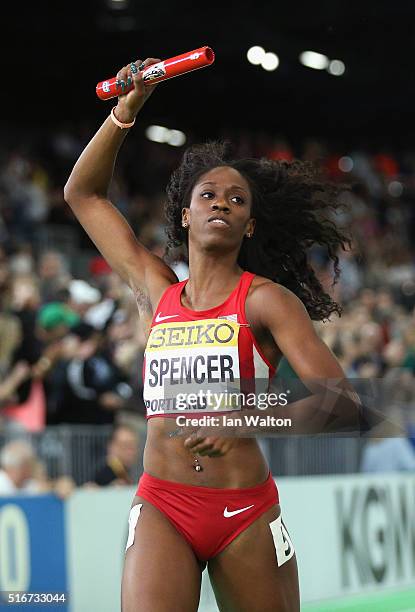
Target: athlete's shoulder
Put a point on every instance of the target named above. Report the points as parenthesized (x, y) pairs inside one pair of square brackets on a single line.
[(268, 297), (262, 287)]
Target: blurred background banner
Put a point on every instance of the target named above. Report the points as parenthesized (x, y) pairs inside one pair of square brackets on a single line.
[(32, 547), (363, 531)]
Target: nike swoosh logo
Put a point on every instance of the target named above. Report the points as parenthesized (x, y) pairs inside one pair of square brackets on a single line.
[(227, 513), (159, 318)]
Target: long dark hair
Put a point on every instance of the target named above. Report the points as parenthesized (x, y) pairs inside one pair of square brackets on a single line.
[(291, 204)]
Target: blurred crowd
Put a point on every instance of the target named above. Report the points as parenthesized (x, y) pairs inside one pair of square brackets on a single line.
[(23, 471), (68, 324)]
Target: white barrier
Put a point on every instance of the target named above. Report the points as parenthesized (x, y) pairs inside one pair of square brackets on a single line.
[(353, 534), (97, 526)]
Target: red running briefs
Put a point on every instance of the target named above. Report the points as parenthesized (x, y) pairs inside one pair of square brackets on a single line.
[(208, 518)]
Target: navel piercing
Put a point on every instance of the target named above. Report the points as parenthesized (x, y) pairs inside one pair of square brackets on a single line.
[(196, 465)]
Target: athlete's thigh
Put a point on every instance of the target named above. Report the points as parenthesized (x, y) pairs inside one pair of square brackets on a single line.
[(246, 576), (161, 572)]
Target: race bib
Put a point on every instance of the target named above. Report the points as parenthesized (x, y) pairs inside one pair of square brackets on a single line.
[(284, 548), (192, 358)]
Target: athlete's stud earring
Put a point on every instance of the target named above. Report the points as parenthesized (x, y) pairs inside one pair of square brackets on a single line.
[(185, 224), (249, 235)]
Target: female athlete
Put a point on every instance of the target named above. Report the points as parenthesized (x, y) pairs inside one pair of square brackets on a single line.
[(249, 299)]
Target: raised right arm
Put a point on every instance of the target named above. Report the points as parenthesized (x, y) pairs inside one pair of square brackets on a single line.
[(86, 192)]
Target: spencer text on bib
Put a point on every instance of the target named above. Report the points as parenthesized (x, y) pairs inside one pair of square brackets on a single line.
[(188, 357)]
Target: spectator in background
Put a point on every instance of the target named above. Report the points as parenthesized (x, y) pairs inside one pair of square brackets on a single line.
[(94, 388), (388, 455), (409, 357), (41, 339), (53, 274), (122, 453), (24, 303), (55, 320), (21, 471), (389, 449), (25, 187), (11, 382), (10, 327), (17, 465), (82, 296), (112, 291)]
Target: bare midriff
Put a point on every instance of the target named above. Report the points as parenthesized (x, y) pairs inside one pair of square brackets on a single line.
[(167, 458)]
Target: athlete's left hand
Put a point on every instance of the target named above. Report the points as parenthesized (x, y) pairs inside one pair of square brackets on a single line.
[(209, 446)]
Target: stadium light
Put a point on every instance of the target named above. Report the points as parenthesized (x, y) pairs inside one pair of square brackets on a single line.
[(270, 61), (336, 68), (161, 134), (117, 4), (395, 189), (157, 133), (176, 138), (346, 164), (311, 59), (255, 55), (408, 288)]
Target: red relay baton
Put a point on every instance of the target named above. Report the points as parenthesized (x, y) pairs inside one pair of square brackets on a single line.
[(175, 66)]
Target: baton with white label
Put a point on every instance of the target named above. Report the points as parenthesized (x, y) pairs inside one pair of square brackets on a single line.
[(167, 69)]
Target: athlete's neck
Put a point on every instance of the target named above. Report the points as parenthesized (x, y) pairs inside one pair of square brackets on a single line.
[(210, 282)]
